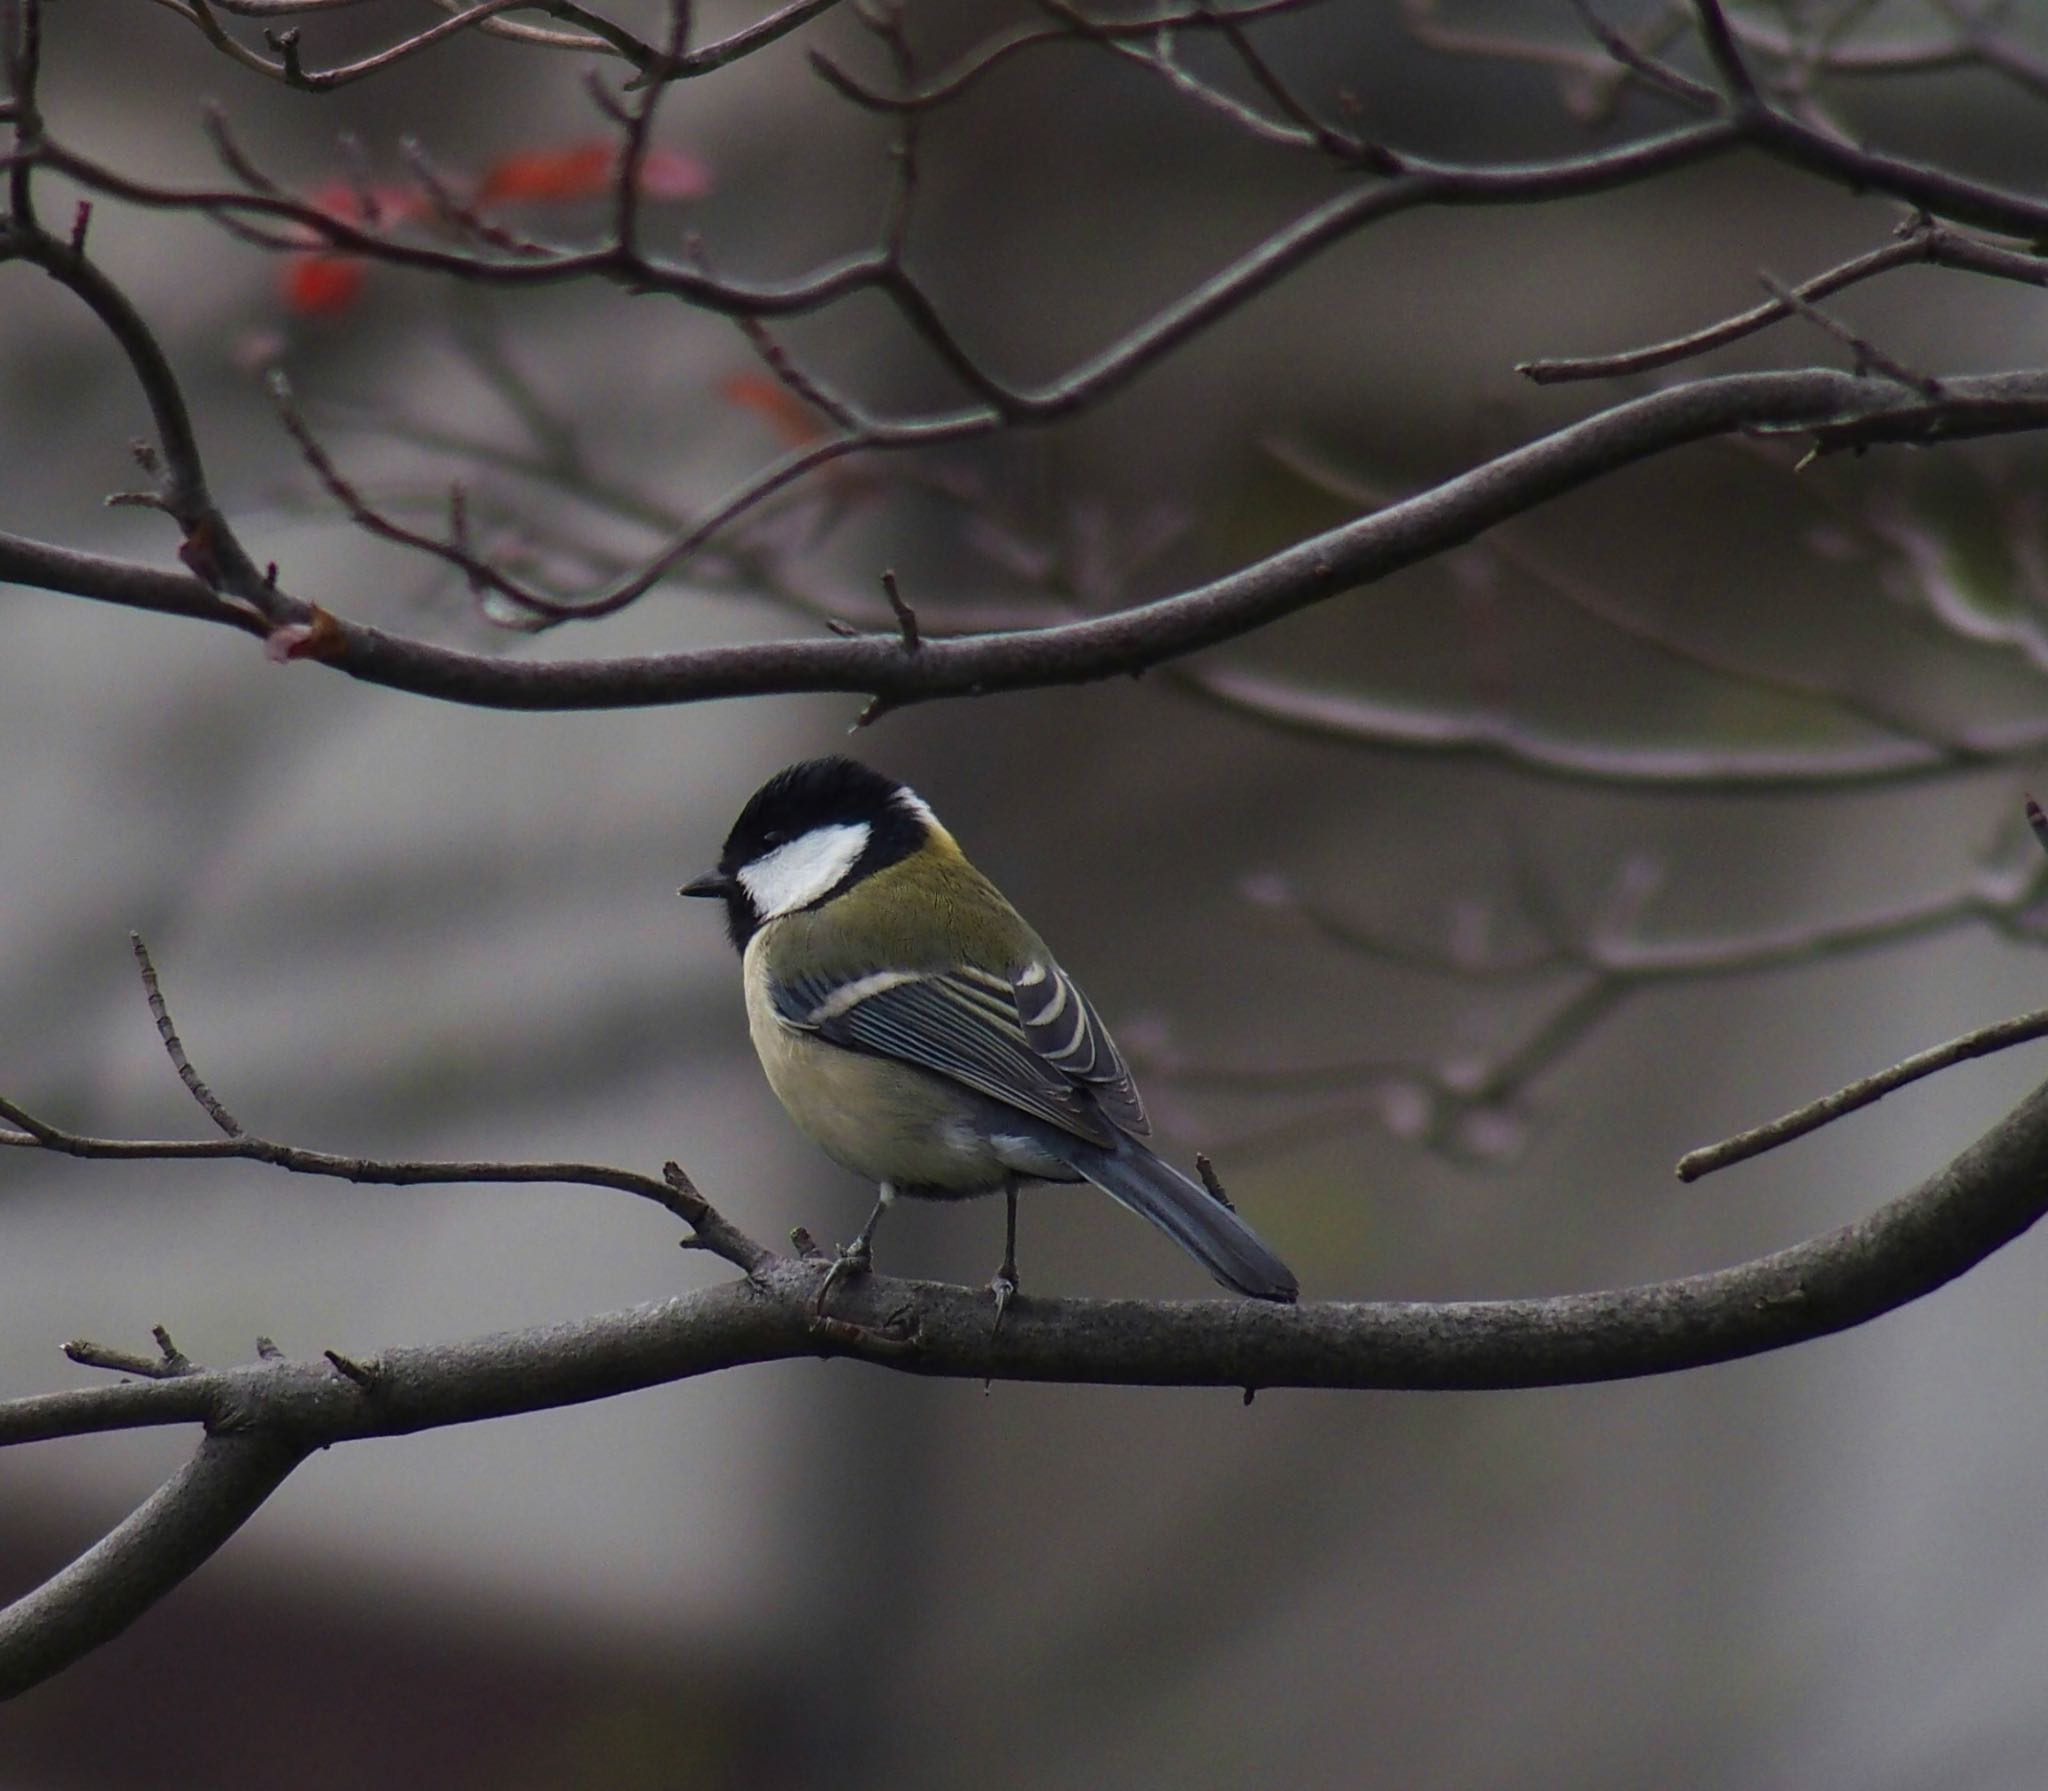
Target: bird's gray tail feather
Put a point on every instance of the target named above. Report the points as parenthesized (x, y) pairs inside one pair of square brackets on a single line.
[(1187, 1212)]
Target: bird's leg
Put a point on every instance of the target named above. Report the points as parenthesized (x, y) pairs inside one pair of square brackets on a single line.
[(1004, 1286), (857, 1257)]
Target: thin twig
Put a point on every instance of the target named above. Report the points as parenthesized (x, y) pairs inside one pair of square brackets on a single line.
[(1725, 54), (906, 617), (673, 1191), (1866, 1090), (709, 1228), (1869, 357), (169, 1362), (160, 1012)]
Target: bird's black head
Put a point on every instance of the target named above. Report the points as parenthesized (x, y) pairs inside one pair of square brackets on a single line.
[(808, 833)]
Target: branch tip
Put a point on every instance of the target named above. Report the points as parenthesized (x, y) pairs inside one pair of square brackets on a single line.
[(1866, 1091), (174, 1048), (356, 1373), (711, 1230), (906, 617), (167, 1364)]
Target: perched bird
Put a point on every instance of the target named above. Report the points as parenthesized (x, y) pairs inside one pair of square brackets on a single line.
[(917, 1028)]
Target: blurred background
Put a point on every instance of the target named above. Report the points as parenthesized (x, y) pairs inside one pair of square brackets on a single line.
[(1433, 1013)]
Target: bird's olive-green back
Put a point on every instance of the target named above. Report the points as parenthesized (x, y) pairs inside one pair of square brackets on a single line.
[(928, 912)]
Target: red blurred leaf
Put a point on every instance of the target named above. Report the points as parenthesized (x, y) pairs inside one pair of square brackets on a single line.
[(320, 282), (581, 171), (587, 170), (316, 285), (348, 204)]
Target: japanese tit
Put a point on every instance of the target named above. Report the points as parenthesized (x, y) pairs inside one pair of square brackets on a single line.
[(918, 1029)]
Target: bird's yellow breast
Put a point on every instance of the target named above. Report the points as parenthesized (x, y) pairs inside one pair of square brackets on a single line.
[(886, 1121)]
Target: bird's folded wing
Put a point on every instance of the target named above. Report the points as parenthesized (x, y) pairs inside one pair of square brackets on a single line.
[(1061, 1025), (964, 1025)]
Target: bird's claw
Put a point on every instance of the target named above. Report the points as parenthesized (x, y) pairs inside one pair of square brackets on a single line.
[(855, 1259), (1004, 1286)]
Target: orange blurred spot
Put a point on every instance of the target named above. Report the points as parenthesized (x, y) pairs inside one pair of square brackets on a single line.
[(581, 171), (321, 638), (783, 411)]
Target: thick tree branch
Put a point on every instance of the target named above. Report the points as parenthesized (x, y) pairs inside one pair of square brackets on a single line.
[(265, 1417), (121, 1576), (1839, 409)]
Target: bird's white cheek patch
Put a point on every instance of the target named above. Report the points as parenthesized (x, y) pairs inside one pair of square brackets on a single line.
[(796, 874)]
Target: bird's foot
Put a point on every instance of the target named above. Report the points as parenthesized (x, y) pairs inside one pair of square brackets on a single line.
[(1003, 1284), (855, 1259)]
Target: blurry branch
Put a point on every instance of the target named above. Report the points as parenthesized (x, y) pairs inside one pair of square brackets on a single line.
[(598, 36), (263, 1418), (1861, 1093), (1090, 568), (1071, 25), (472, 248), (2002, 897), (1298, 127), (1763, 88), (1439, 731), (1896, 747), (29, 1132), (1919, 240), (1795, 60), (1471, 1106), (295, 224), (1791, 58)]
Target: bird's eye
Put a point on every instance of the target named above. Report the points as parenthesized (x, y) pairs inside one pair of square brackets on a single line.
[(773, 837)]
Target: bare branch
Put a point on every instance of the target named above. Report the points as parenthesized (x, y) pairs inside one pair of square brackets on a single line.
[(673, 1190), (1718, 335), (268, 1415), (180, 1528), (1869, 358), (1839, 409), (1074, 27), (710, 1229), (1388, 724), (33, 1132), (1864, 1092), (1736, 79), (906, 617), (1463, 1107), (160, 1012)]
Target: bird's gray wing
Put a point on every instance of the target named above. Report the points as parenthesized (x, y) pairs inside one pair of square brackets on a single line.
[(965, 1025), (1062, 1026)]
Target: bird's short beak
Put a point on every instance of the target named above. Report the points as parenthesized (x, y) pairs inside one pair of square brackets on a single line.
[(710, 884)]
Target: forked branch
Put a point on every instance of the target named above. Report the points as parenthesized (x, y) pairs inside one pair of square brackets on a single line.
[(265, 1417)]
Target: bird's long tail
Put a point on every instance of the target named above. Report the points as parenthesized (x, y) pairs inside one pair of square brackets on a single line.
[(1188, 1213)]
